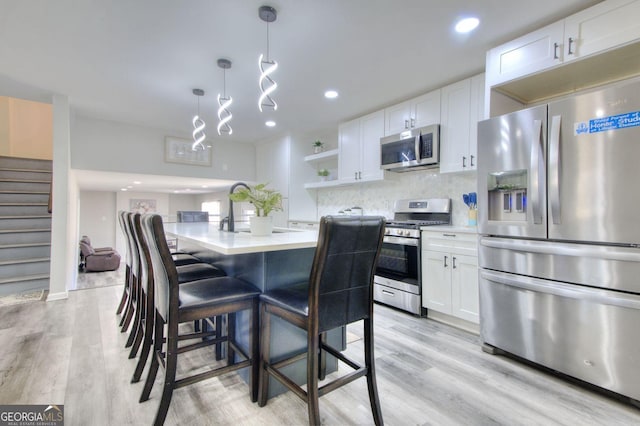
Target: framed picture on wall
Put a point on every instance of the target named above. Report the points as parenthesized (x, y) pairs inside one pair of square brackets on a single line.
[(142, 206), (178, 150)]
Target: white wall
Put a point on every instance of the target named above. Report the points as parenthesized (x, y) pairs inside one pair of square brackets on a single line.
[(182, 202), (123, 200), (64, 249), (98, 219), (118, 147)]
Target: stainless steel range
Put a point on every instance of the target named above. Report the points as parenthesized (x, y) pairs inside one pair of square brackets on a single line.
[(398, 276)]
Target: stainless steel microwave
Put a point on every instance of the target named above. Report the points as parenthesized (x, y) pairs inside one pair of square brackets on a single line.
[(412, 149)]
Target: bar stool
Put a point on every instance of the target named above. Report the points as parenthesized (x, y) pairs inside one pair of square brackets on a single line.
[(339, 292), (132, 277), (178, 303), (143, 324), (125, 290)]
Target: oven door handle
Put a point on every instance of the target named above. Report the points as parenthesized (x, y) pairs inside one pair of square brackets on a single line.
[(415, 242)]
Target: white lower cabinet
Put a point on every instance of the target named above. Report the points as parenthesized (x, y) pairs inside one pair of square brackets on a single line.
[(450, 274)]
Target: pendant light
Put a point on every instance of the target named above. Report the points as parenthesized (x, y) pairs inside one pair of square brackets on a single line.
[(266, 65), (224, 116), (198, 125)]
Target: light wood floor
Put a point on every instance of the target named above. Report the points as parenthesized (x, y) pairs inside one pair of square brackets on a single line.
[(70, 352)]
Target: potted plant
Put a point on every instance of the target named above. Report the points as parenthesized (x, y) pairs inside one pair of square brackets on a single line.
[(265, 201), (318, 146), (324, 174)]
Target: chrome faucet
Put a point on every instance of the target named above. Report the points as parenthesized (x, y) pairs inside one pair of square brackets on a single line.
[(229, 219)]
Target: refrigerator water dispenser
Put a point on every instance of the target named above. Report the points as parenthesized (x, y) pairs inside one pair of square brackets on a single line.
[(507, 195)]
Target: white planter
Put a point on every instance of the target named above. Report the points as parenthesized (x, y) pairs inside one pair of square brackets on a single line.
[(261, 225)]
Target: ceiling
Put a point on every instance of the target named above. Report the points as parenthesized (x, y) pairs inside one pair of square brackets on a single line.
[(138, 61)]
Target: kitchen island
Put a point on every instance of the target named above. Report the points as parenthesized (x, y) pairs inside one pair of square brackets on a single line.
[(281, 259)]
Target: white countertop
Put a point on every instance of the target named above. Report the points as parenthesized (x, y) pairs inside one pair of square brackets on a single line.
[(454, 229), (208, 235)]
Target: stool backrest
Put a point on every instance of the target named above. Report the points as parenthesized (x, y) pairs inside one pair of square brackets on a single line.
[(143, 250), (165, 275), (135, 253), (121, 215), (341, 282)]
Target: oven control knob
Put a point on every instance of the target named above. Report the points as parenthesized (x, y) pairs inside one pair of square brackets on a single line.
[(387, 231), (406, 233)]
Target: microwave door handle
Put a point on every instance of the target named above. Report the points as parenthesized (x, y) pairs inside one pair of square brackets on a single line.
[(536, 162), (418, 145), (554, 169)]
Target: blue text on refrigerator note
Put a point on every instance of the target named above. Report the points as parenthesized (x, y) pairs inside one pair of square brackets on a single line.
[(612, 122)]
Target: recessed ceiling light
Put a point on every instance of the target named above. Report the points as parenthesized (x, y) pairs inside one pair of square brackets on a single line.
[(129, 186), (466, 25), (331, 94), (270, 123), (136, 182), (123, 189)]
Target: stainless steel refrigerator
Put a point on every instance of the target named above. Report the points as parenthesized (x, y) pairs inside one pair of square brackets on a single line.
[(559, 251)]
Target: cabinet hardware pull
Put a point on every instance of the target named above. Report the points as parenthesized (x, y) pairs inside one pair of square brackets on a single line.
[(355, 175), (454, 262), (388, 292), (448, 235), (464, 161), (472, 161), (406, 124), (413, 122), (570, 51), (360, 175), (555, 51), (445, 261)]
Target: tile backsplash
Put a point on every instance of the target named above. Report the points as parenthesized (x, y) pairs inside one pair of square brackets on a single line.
[(377, 198)]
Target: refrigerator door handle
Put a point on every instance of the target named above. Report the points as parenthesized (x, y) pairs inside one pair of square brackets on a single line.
[(622, 254), (554, 169), (536, 162), (563, 290)]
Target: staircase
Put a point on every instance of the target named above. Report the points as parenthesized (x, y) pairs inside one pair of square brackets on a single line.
[(25, 225)]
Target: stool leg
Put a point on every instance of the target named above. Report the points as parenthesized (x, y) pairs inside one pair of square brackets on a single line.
[(218, 322), (313, 342), (130, 306), (125, 291), (369, 360), (322, 358), (138, 327), (265, 331), (169, 375), (255, 351), (158, 335), (147, 340), (231, 336), (136, 318)]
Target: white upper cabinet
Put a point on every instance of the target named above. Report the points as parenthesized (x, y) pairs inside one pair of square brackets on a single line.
[(371, 130), (417, 112), (462, 107), (609, 24), (528, 54), (349, 150), (359, 148), (602, 27)]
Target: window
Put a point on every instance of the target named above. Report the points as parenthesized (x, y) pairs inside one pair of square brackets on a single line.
[(213, 208)]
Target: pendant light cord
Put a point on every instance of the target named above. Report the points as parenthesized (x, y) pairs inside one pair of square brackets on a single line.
[(267, 42)]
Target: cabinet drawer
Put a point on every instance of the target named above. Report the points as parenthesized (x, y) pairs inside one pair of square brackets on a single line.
[(450, 242)]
